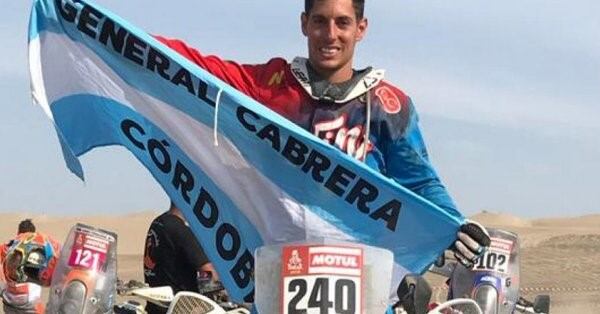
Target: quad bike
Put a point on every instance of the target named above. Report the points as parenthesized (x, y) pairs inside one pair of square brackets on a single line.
[(493, 282), (84, 281)]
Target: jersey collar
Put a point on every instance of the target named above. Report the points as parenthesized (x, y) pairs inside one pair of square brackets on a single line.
[(368, 81)]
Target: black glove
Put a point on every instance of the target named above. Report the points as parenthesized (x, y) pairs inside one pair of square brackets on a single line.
[(473, 240)]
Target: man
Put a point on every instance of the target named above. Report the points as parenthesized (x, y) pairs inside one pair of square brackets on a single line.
[(23, 227), (173, 257), (355, 110), (28, 262)]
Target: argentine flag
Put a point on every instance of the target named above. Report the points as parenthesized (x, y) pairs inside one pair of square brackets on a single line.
[(242, 175)]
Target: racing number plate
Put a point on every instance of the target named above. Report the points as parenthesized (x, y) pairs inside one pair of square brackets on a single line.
[(89, 250), (321, 280), (496, 258)]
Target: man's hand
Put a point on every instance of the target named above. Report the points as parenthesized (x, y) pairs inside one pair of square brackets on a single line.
[(473, 240)]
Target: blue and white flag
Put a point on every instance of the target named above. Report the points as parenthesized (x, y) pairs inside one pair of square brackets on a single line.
[(95, 76)]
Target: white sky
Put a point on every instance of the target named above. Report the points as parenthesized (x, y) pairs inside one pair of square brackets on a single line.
[(507, 93)]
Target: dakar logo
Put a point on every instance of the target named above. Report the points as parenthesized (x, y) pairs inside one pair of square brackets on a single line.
[(79, 240), (390, 101), (295, 262), (350, 141)]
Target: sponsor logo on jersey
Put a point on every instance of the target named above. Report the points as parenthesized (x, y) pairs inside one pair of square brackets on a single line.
[(349, 140), (389, 100), (277, 78)]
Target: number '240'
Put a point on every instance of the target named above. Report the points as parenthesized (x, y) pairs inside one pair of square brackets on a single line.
[(344, 300)]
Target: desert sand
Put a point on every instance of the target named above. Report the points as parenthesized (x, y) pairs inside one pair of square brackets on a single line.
[(560, 256)]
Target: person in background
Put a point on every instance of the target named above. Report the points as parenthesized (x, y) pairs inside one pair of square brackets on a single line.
[(28, 262), (173, 257)]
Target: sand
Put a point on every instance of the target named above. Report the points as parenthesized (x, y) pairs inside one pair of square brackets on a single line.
[(131, 229), (560, 256)]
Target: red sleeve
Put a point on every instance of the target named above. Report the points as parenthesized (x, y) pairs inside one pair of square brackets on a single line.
[(251, 80)]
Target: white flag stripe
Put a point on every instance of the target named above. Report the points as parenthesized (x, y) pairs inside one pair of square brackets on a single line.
[(38, 90)]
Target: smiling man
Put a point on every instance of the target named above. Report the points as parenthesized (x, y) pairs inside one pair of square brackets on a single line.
[(333, 28), (355, 110)]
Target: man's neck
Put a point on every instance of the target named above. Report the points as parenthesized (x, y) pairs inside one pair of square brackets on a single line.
[(176, 212)]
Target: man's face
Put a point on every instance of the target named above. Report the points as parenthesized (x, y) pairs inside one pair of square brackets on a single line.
[(332, 30)]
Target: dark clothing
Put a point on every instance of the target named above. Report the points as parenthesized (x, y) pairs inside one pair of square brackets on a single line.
[(172, 256)]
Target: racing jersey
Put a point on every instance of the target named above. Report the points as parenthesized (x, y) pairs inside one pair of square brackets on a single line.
[(371, 109), (22, 298)]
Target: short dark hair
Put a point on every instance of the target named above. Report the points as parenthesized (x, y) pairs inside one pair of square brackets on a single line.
[(359, 7), (26, 226)]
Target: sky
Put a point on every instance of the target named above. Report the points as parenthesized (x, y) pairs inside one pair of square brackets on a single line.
[(506, 91)]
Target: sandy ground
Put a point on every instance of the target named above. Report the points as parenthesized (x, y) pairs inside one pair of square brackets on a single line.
[(560, 257)]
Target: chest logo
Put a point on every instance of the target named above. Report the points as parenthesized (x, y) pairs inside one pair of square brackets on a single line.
[(349, 140), (389, 100), (276, 79)]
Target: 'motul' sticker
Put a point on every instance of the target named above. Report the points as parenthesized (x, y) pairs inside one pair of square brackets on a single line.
[(319, 279)]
